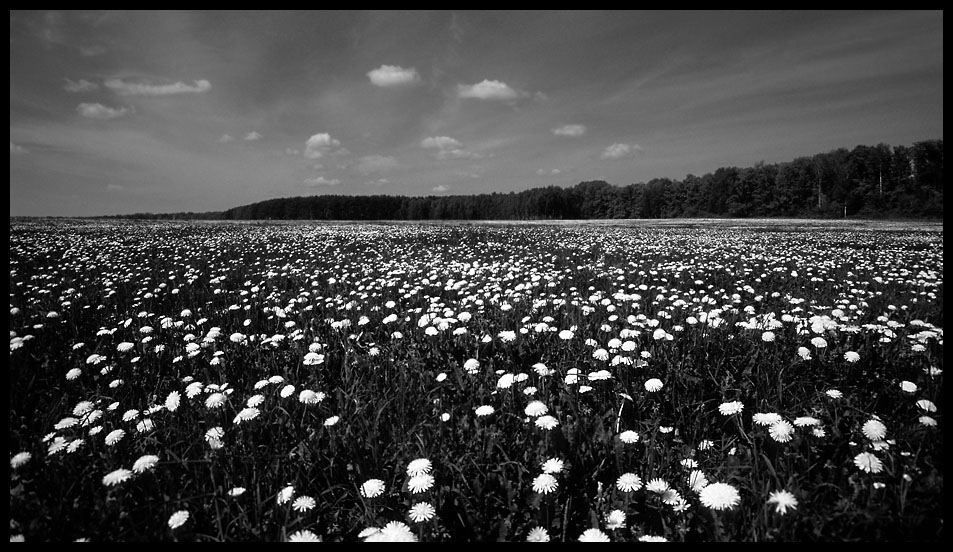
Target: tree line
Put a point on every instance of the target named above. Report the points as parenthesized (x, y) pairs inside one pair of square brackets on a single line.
[(866, 182)]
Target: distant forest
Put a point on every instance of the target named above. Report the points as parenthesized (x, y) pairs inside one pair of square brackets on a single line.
[(866, 182)]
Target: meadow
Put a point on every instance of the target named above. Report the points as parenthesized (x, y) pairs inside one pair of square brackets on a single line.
[(711, 381)]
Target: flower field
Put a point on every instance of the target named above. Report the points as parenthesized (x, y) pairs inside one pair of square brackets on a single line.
[(351, 382)]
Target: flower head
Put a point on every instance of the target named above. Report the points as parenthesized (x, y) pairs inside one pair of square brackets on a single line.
[(116, 477), (178, 519), (553, 465), (372, 488), (537, 534), (783, 500), (145, 463), (593, 535), (419, 466), (719, 496), (868, 462), (628, 482), (420, 483), (421, 511), (729, 408), (545, 483)]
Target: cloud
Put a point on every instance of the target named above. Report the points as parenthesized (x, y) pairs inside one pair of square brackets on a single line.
[(226, 138), (115, 187), (448, 148), (17, 150), (570, 130), (94, 50), (378, 182), (144, 89), (489, 90), (321, 181), (253, 135), (319, 145), (618, 151), (393, 75), (544, 172), (440, 189), (100, 111), (82, 85), (376, 164), (292, 151)]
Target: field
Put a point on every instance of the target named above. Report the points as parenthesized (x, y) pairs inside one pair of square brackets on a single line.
[(704, 381)]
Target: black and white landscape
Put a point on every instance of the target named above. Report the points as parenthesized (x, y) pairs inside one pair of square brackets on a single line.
[(476, 276)]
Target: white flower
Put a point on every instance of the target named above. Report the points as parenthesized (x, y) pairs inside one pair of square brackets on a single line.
[(420, 483), (729, 408), (783, 500), (553, 465), (420, 466), (421, 511), (851, 356), (215, 400), (546, 422), (172, 401), (331, 421), (781, 431), (372, 488), (535, 409), (485, 410), (395, 531), (615, 519), (868, 462), (628, 437), (178, 519), (834, 393), (766, 419), (303, 535), (697, 480), (653, 385), (116, 477), (245, 415), (657, 486), (145, 463), (114, 437), (719, 496), (303, 503), (593, 535), (628, 482), (19, 459), (545, 483), (874, 429), (926, 405), (537, 534), (236, 491), (285, 494), (908, 386)]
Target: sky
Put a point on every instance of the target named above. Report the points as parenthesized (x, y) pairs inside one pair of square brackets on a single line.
[(131, 112)]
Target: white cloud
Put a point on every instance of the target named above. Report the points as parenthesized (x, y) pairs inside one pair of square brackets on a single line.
[(393, 75), (319, 145), (292, 151), (544, 172), (448, 148), (100, 111), (378, 182), (618, 151), (321, 181), (82, 85), (226, 138), (17, 150), (253, 135), (488, 90), (94, 50), (440, 189), (115, 187), (376, 164), (570, 130), (143, 89)]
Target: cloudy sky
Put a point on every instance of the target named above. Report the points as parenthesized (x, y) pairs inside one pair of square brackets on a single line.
[(123, 112)]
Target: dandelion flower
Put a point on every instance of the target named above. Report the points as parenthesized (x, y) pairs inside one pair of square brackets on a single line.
[(420, 466), (819, 342), (781, 431), (420, 483), (145, 425), (851, 356), (303, 503), (652, 538), (215, 400), (73, 374), (653, 385), (615, 519), (287, 391), (729, 408), (868, 462), (82, 407), (537, 534), (114, 437), (926, 405), (285, 494), (172, 401), (697, 480), (628, 437), (834, 393), (657, 486), (236, 491), (908, 386), (20, 459), (535, 409), (421, 511), (767, 337), (116, 477), (303, 536), (472, 366), (719, 496), (783, 500), (331, 421), (927, 421), (553, 465), (145, 463), (874, 429), (545, 483), (628, 483), (593, 535), (178, 519), (766, 419), (308, 396), (395, 531), (806, 421), (372, 488), (245, 415)]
